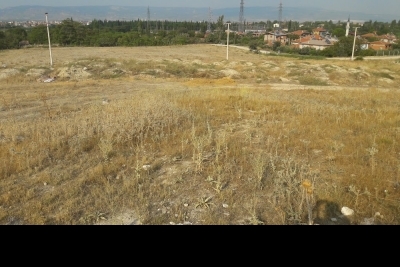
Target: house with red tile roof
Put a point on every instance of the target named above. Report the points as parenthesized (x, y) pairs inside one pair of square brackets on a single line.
[(379, 45), (384, 42), (319, 31), (388, 38), (296, 43), (318, 44), (301, 33), (369, 35), (276, 36)]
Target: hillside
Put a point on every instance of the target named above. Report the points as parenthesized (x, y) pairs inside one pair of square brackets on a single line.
[(180, 135)]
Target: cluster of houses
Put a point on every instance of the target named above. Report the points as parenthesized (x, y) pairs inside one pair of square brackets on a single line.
[(33, 23), (320, 39), (384, 42)]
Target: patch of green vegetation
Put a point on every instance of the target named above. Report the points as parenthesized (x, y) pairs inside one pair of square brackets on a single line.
[(300, 57), (181, 70), (311, 57), (308, 80), (295, 73), (328, 68), (383, 75)]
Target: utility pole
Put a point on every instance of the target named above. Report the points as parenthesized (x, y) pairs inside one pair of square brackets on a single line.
[(354, 43), (227, 42), (48, 37)]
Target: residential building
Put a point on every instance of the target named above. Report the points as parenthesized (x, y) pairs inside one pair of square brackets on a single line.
[(276, 36), (319, 31), (301, 33), (379, 45), (318, 44)]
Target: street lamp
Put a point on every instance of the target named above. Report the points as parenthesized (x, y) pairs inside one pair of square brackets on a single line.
[(48, 37), (227, 42), (354, 43)]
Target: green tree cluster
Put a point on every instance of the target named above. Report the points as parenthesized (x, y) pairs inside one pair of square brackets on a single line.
[(159, 33)]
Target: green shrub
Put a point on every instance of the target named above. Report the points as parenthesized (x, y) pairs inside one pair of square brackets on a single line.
[(309, 80)]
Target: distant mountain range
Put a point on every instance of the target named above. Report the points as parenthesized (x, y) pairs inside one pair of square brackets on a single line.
[(88, 13)]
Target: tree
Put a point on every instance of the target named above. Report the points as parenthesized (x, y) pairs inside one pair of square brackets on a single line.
[(2, 40), (276, 45), (293, 37), (81, 33), (13, 36), (253, 45), (38, 35), (339, 32), (343, 48), (220, 26), (66, 32), (393, 24)]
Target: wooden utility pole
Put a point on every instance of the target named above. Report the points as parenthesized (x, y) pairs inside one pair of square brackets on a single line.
[(48, 37), (227, 42), (354, 43)]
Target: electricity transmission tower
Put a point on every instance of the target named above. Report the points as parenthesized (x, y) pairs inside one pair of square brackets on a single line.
[(241, 17), (148, 20), (280, 14), (209, 21)]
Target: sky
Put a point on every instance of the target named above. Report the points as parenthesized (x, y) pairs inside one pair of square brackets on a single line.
[(365, 6)]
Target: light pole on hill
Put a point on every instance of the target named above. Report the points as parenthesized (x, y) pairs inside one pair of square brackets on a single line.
[(227, 42), (48, 37), (354, 43)]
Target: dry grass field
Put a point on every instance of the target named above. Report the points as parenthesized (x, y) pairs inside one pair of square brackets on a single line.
[(180, 135)]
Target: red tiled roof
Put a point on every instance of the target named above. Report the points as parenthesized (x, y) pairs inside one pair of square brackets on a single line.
[(302, 40), (386, 36), (378, 43), (317, 42), (319, 29), (368, 35), (300, 32)]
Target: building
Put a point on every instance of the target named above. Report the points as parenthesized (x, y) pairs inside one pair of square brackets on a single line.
[(318, 44), (255, 33), (348, 27), (319, 31), (383, 42), (379, 45), (276, 36), (300, 33), (319, 40)]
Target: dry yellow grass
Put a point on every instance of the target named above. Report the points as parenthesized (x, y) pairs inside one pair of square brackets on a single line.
[(173, 146)]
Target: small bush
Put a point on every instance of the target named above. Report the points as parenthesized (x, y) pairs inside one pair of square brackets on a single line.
[(383, 75), (307, 80)]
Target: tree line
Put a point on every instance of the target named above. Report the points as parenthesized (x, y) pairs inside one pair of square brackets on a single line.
[(109, 33), (104, 33)]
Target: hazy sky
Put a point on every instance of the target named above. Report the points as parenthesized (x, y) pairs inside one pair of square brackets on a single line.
[(365, 6)]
